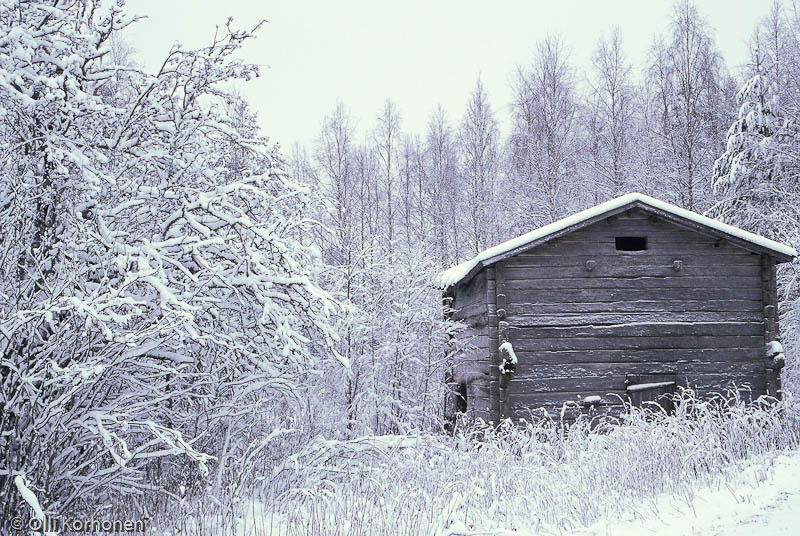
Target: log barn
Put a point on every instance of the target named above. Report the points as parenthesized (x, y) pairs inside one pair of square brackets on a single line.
[(627, 300)]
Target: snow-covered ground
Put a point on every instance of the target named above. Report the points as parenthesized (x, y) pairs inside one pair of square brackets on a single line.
[(764, 500), (751, 506)]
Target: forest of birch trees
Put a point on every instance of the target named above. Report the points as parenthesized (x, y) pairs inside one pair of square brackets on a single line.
[(684, 127)]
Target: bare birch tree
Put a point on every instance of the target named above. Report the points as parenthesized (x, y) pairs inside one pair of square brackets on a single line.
[(387, 141), (687, 73), (612, 115), (443, 193), (480, 157), (544, 114)]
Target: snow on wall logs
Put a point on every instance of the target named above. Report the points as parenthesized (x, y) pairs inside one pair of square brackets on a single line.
[(588, 313), (769, 292), (471, 367)]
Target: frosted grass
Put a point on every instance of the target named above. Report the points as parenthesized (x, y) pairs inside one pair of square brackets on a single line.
[(535, 476)]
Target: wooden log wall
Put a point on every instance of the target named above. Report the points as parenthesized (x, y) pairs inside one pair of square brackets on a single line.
[(472, 361), (583, 315)]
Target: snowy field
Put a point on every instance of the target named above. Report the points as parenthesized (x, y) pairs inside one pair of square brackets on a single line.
[(711, 468), (748, 505), (762, 499)]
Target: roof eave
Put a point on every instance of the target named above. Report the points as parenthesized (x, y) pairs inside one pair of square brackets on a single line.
[(711, 231)]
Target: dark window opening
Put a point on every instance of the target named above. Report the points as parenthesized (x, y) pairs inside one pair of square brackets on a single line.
[(455, 403), (631, 243), (461, 398)]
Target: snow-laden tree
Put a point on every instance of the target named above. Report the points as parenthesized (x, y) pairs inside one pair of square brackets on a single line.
[(479, 146), (396, 341), (391, 331), (758, 171), (387, 143), (543, 138), (757, 177), (412, 178), (157, 301), (443, 193), (611, 119), (689, 82), (757, 174), (412, 346)]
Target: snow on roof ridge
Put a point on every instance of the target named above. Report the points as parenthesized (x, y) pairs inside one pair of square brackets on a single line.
[(455, 274)]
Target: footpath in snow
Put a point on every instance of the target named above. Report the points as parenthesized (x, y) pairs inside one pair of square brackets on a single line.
[(744, 508)]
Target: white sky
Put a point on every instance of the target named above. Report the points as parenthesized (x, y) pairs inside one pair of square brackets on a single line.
[(417, 53)]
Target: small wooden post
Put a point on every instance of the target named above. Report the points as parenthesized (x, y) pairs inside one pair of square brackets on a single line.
[(503, 327), (771, 331), (492, 329)]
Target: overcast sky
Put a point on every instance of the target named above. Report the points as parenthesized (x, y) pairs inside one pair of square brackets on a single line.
[(417, 53)]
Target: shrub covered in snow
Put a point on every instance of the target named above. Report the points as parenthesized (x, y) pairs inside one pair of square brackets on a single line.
[(157, 311)]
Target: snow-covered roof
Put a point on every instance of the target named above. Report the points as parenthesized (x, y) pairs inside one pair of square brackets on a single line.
[(455, 274)]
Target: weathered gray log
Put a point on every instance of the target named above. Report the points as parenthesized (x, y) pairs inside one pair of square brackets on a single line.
[(632, 294), (638, 355), (639, 343), (606, 318), (643, 305), (609, 268), (606, 261), (554, 282)]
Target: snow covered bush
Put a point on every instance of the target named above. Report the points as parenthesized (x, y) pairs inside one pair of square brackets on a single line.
[(158, 311), (754, 174), (392, 332), (396, 343)]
